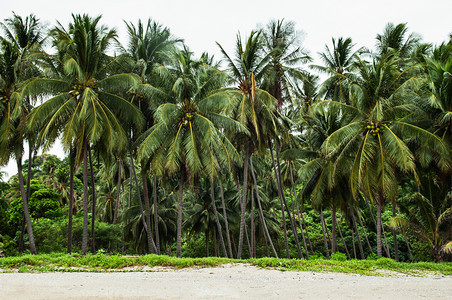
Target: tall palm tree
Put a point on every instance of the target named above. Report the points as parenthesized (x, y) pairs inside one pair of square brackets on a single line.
[(394, 38), (85, 107), (188, 137), (282, 43), (337, 63), (255, 108), (375, 139), (148, 46), (22, 39)]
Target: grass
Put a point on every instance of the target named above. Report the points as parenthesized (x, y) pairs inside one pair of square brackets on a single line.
[(61, 262)]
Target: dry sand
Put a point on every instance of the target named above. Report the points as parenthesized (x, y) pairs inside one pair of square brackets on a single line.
[(225, 282)]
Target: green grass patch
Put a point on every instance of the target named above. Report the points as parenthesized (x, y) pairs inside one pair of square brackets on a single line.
[(101, 262)]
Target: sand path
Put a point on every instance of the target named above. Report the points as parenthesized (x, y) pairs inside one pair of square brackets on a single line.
[(225, 282)]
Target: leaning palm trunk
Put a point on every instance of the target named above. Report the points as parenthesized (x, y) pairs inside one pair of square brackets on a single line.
[(243, 200), (283, 217), (226, 223), (365, 233), (264, 224), (25, 204), (343, 240), (333, 228), (281, 193), (217, 219), (360, 245), (156, 215), (147, 207), (293, 195), (322, 220), (150, 241), (93, 192)]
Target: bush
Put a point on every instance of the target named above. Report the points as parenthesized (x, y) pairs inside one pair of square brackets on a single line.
[(338, 256)]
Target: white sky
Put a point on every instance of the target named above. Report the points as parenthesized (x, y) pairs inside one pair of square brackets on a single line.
[(202, 23)]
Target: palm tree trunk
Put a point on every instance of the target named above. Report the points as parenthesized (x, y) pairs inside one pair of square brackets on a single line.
[(333, 228), (322, 220), (179, 215), (354, 245), (156, 215), (281, 192), (147, 207), (217, 219), (248, 241), (365, 233), (283, 216), (343, 240), (293, 195), (394, 235), (93, 191), (215, 244), (226, 224), (360, 245), (207, 241), (85, 198), (25, 204), (307, 232), (150, 240), (71, 200), (243, 200), (252, 227), (379, 241), (30, 160), (405, 238), (386, 245), (118, 188), (264, 224)]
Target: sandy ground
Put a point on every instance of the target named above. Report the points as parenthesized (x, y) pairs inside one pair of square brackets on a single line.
[(226, 282)]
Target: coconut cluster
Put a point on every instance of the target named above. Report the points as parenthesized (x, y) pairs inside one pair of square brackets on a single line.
[(374, 127)]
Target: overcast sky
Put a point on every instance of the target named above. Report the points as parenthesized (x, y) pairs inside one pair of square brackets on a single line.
[(202, 23)]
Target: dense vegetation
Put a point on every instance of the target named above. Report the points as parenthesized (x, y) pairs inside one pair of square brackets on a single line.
[(248, 157)]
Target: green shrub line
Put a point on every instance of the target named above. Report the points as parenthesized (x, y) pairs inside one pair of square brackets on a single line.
[(100, 262)]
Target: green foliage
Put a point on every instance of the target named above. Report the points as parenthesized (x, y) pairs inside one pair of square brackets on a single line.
[(338, 256)]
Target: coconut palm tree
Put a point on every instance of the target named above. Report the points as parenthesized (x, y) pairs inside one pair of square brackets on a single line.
[(394, 38), (84, 107), (382, 117), (337, 63), (148, 46), (282, 43), (188, 137), (21, 41), (256, 108)]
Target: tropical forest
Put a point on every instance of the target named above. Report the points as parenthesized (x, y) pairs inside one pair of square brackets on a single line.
[(268, 150)]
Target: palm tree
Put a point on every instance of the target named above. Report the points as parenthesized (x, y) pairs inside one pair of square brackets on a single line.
[(188, 136), (148, 46), (337, 63), (85, 107), (382, 119), (429, 215), (282, 44), (248, 69), (23, 38), (394, 39)]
